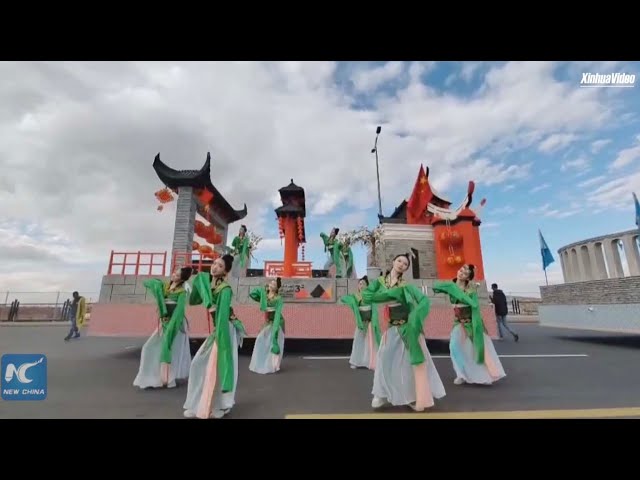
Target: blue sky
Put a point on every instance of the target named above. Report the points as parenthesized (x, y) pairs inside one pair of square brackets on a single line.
[(559, 193), (80, 138)]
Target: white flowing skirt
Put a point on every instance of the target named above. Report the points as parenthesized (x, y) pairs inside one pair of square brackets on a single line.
[(364, 348), (464, 364), (395, 379), (149, 373), (199, 389), (262, 360)]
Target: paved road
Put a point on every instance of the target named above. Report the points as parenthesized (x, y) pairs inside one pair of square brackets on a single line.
[(92, 378)]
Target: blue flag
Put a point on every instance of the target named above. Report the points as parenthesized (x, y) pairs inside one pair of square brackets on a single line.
[(635, 199), (547, 257)]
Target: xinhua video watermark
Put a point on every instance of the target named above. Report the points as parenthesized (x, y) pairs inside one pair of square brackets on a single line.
[(24, 376), (608, 80)]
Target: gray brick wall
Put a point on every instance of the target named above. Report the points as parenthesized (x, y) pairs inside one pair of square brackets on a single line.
[(607, 291), (185, 221)]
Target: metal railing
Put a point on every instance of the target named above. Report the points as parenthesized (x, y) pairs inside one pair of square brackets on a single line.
[(139, 261), (39, 306)]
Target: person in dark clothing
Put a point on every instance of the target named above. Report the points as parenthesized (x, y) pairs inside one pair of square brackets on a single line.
[(499, 300)]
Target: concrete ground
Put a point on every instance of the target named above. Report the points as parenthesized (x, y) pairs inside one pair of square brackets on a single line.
[(550, 373)]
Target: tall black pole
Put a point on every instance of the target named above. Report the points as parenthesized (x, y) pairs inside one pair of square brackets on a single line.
[(375, 150)]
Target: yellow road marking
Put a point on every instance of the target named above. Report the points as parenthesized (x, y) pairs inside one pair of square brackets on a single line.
[(520, 414)]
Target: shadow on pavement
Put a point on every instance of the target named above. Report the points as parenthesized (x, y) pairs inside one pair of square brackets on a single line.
[(626, 341)]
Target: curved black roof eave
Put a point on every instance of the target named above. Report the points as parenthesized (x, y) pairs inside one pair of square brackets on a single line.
[(173, 178)]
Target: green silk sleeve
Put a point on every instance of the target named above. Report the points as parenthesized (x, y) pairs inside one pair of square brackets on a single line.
[(277, 325), (201, 291), (171, 328), (419, 310), (260, 296), (475, 330), (352, 302), (372, 288), (325, 239), (367, 297), (349, 261), (418, 305), (239, 326), (337, 257), (244, 251), (223, 339), (156, 287)]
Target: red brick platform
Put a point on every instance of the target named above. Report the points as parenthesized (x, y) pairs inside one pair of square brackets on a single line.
[(301, 321)]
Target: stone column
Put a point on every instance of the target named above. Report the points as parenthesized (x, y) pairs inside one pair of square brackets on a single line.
[(614, 262), (578, 271), (631, 252), (587, 264), (567, 260), (597, 261), (564, 267), (184, 225)]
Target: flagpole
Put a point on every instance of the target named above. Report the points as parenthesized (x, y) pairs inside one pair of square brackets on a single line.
[(545, 277), (375, 150)]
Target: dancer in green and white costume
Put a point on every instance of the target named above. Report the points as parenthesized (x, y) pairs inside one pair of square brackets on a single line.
[(213, 377), (166, 355), (269, 346), (242, 252), (334, 248), (366, 338), (405, 373)]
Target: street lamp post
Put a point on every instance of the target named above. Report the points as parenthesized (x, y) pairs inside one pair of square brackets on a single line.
[(375, 150)]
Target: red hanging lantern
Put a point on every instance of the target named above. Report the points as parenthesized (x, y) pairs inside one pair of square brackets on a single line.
[(164, 195), (300, 228), (455, 238), (281, 227), (459, 260), (451, 260), (195, 246), (200, 229)]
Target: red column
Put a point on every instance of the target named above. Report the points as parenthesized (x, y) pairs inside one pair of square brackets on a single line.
[(290, 245), (472, 250)]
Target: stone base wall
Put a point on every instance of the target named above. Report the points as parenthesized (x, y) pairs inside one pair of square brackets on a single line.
[(123, 289), (607, 291)]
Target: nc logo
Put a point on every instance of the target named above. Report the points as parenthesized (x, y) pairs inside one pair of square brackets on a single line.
[(24, 376)]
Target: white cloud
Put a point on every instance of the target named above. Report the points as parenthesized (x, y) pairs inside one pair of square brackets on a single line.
[(353, 220), (508, 187), (556, 141), (370, 79), (616, 193), (546, 211), (626, 157), (506, 210), (326, 203), (483, 171), (580, 164), (94, 128), (592, 181), (491, 225), (598, 145), (538, 188)]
